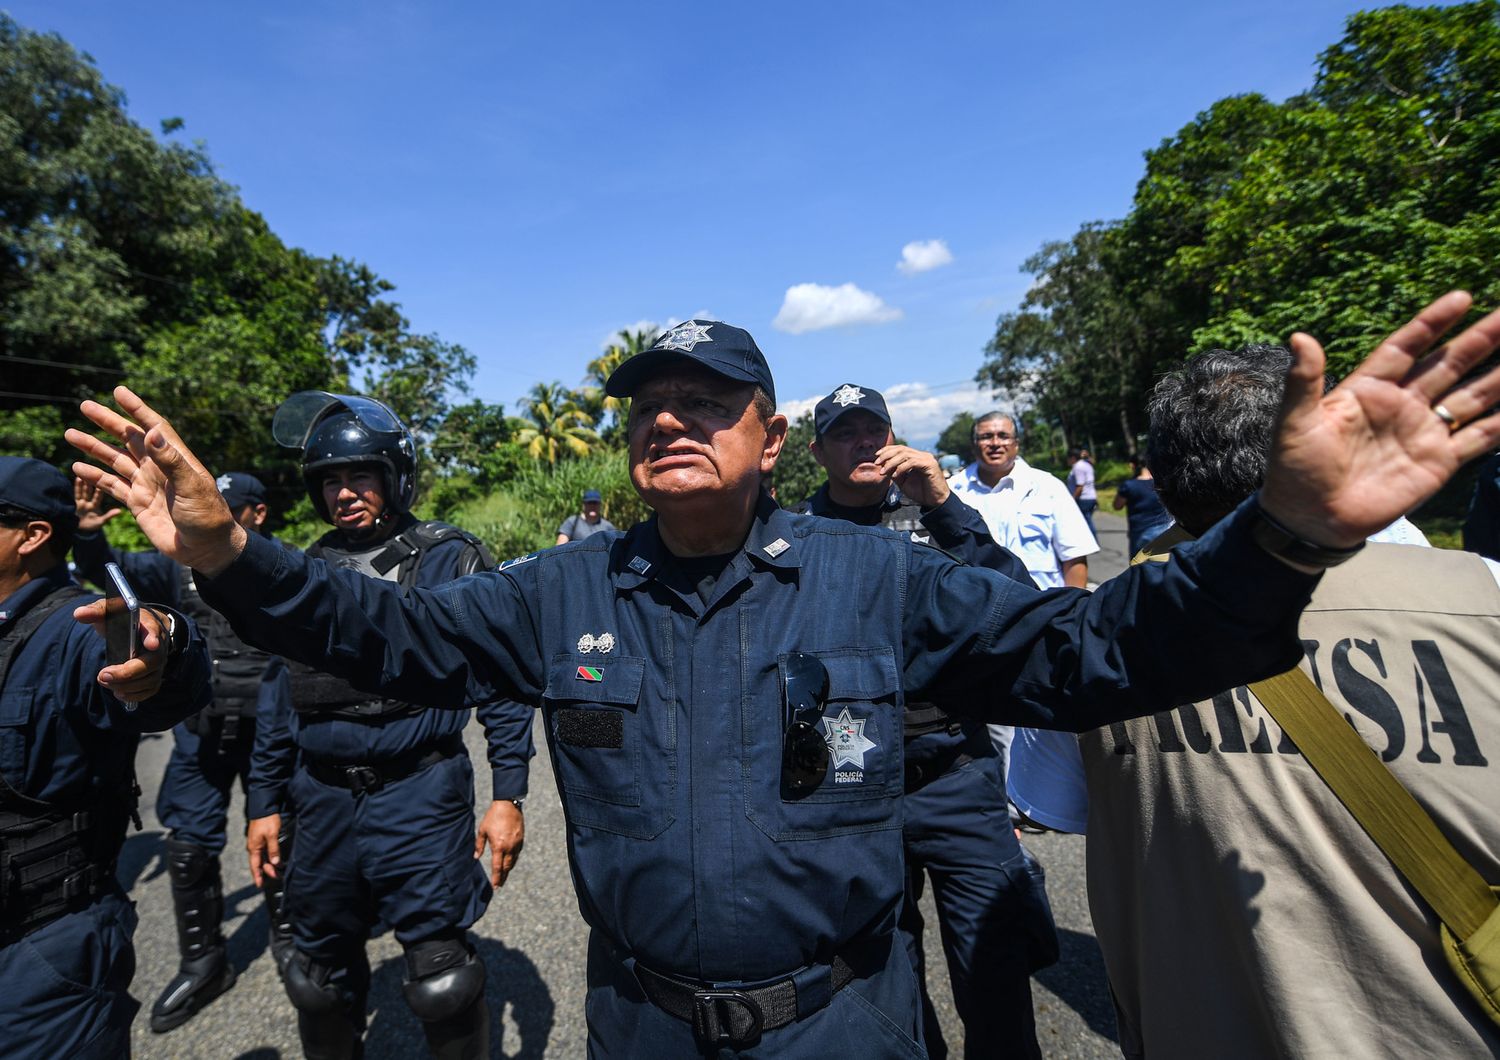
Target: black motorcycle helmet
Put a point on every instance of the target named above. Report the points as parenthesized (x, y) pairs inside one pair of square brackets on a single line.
[(338, 429)]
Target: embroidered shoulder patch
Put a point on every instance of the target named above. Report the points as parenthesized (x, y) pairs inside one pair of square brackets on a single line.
[(518, 561)]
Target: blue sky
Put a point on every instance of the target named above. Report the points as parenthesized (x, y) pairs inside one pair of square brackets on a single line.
[(534, 177)]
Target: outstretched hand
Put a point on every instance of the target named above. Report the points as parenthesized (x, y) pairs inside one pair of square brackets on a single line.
[(1348, 463), (173, 497)]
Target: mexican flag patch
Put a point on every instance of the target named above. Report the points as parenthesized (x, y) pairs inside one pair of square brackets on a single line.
[(590, 673)]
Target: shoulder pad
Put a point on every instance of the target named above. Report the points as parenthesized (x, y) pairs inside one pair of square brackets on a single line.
[(434, 532), (518, 561)]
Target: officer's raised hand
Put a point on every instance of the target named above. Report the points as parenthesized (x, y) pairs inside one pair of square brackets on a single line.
[(1348, 463), (171, 494), (916, 472), (89, 502), (503, 830), (263, 843)]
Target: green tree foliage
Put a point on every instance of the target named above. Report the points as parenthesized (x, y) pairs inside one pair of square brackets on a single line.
[(524, 517), (1337, 212), (797, 474), (553, 426), (124, 258), (612, 412)]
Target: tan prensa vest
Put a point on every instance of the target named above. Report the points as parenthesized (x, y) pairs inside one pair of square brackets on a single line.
[(1241, 910)]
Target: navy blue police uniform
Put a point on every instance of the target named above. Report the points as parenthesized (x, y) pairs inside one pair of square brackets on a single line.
[(210, 755), (67, 792), (735, 913), (708, 890), (382, 789), (994, 920)]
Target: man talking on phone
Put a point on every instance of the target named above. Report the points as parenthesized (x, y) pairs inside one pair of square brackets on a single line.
[(69, 725)]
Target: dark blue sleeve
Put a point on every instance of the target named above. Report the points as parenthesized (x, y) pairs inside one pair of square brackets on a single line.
[(958, 529), (1222, 613), (464, 642), (507, 734), (275, 753), (154, 577), (1481, 530)]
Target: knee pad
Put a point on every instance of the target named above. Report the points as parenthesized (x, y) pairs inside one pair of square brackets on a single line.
[(308, 987), (443, 978), (190, 865)]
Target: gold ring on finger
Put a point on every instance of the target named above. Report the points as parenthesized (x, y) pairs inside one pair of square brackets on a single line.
[(1446, 416)]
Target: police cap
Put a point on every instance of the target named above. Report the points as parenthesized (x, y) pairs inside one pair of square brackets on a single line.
[(240, 488), (717, 346), (38, 489), (845, 399)]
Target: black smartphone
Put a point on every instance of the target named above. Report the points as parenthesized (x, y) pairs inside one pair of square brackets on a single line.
[(122, 617)]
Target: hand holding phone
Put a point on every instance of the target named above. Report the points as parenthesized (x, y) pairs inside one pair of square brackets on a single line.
[(122, 617)]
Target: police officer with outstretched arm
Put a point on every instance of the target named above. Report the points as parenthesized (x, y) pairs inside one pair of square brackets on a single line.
[(210, 753), (382, 788), (742, 899), (993, 917), (69, 726)]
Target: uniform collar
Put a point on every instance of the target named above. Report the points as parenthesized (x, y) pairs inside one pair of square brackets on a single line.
[(771, 543), (32, 593)]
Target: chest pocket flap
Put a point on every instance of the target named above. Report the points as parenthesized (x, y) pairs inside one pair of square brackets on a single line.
[(613, 680), (862, 675)]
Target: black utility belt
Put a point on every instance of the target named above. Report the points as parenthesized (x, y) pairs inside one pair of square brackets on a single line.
[(737, 1016), (362, 778)]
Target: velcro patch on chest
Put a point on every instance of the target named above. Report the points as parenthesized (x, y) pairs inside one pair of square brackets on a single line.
[(591, 728)]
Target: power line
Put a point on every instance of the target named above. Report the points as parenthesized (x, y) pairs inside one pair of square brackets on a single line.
[(65, 364)]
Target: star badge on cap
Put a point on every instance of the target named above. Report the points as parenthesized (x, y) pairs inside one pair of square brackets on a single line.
[(847, 395), (223, 482), (685, 336)]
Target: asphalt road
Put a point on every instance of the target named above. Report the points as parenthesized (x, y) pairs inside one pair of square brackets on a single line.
[(533, 942)]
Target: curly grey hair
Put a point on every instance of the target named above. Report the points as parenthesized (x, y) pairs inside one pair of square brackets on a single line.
[(1212, 424)]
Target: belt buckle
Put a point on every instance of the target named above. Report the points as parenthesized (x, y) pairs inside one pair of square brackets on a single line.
[(712, 1014), (363, 780)]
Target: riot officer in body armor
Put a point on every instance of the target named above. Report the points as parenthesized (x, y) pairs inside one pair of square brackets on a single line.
[(210, 752), (382, 790), (993, 916)]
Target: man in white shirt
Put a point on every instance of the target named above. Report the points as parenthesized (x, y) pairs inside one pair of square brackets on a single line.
[(1028, 511)]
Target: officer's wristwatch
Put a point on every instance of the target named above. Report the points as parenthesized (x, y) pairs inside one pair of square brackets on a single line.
[(1287, 546), (176, 635), (520, 804)]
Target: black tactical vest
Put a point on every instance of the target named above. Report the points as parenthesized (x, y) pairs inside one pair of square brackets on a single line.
[(314, 692), (237, 667), (54, 858)]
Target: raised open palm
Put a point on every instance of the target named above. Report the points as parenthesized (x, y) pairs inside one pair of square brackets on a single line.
[(1350, 462), (171, 494)]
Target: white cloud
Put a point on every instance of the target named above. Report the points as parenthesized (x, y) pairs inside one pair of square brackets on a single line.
[(814, 306), (924, 254), (919, 412)]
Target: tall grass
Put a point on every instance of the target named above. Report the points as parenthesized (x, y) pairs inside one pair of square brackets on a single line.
[(523, 516)]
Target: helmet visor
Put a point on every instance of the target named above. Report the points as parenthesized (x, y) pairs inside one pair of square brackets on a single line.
[(298, 414)]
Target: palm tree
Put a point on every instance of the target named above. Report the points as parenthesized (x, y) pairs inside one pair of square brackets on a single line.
[(600, 369), (554, 425)]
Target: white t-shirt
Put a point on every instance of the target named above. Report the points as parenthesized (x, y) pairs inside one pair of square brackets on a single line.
[(1033, 515)]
